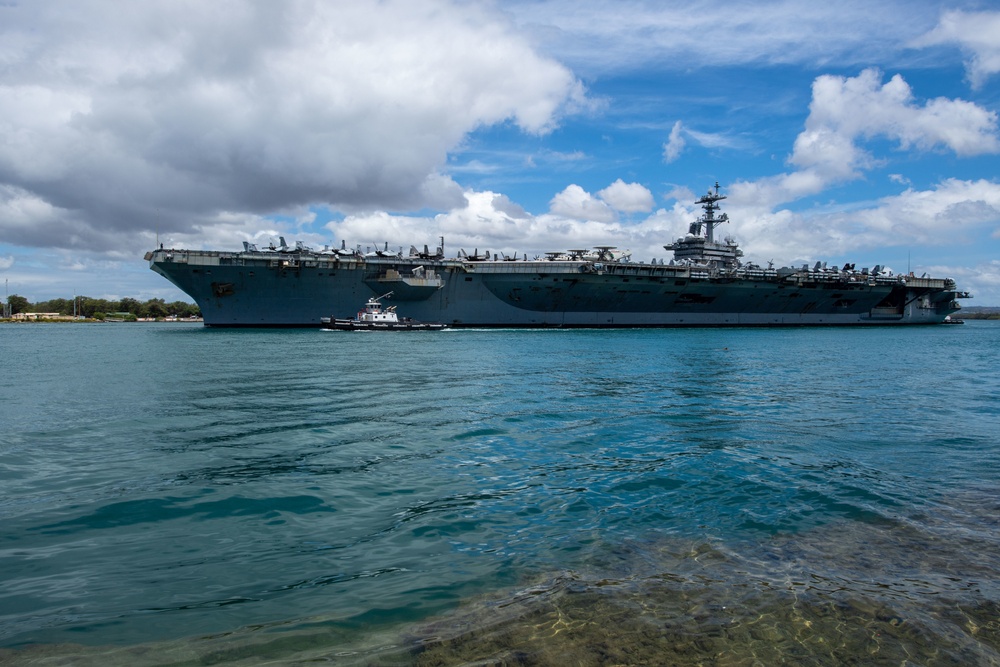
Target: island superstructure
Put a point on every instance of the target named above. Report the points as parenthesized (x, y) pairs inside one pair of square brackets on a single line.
[(705, 284)]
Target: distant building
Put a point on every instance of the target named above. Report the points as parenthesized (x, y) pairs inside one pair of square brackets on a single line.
[(40, 316)]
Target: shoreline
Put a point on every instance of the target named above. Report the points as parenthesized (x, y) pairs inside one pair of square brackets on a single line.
[(88, 320)]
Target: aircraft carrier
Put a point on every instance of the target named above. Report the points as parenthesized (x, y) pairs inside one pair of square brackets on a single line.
[(706, 284)]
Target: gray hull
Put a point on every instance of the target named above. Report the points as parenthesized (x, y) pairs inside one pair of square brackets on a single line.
[(267, 288)]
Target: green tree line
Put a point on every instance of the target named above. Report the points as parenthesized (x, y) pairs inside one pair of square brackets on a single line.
[(87, 307)]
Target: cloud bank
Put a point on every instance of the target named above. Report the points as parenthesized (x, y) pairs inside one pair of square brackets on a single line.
[(172, 117)]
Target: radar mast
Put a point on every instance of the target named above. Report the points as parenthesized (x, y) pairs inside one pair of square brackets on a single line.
[(699, 247), (708, 220)]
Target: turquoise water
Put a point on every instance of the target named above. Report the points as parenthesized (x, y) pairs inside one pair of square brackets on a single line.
[(172, 494)]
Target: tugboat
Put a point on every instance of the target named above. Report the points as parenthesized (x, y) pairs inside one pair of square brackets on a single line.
[(375, 318)]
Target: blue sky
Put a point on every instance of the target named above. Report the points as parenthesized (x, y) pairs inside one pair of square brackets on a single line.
[(842, 132)]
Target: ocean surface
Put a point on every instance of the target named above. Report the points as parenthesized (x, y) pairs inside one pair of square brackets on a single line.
[(178, 495)]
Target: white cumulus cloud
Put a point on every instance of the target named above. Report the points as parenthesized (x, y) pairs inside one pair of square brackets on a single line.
[(576, 203), (977, 34), (845, 112), (627, 197), (170, 116)]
